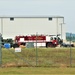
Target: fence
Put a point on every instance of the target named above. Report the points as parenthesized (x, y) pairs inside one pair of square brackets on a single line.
[(44, 57), (41, 57)]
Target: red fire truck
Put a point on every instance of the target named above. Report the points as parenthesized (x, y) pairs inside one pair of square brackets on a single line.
[(41, 40)]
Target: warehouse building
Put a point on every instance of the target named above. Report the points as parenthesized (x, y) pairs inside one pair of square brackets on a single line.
[(16, 25)]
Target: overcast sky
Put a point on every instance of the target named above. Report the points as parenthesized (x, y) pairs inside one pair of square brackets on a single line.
[(65, 8)]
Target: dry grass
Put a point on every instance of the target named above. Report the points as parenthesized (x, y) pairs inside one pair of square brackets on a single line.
[(48, 61), (47, 57)]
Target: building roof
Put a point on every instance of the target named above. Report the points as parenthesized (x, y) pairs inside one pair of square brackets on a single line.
[(30, 16)]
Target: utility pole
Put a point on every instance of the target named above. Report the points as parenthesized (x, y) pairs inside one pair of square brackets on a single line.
[(61, 30), (0, 50), (36, 50), (70, 52)]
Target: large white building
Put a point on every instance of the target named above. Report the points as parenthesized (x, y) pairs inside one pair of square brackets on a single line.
[(13, 26)]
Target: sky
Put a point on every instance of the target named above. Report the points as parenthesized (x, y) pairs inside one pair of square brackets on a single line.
[(65, 8)]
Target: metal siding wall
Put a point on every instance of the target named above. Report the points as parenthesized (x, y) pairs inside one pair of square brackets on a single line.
[(25, 26), (60, 21)]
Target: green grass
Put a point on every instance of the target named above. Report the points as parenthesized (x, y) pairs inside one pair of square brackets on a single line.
[(37, 71)]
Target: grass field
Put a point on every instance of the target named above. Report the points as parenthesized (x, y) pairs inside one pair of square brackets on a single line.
[(49, 61), (46, 57), (37, 71)]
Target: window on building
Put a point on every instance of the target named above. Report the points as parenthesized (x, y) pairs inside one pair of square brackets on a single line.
[(50, 18), (11, 19)]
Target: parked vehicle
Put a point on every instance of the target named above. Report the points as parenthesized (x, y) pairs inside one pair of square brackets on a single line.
[(48, 41), (67, 45), (41, 40)]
